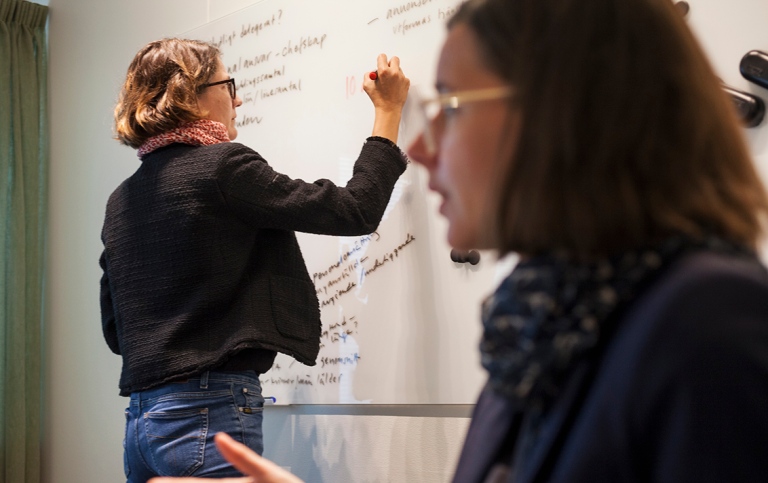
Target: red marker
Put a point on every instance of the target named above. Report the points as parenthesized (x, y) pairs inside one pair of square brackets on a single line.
[(373, 75)]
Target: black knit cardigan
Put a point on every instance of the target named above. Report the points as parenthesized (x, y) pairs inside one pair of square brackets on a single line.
[(201, 260)]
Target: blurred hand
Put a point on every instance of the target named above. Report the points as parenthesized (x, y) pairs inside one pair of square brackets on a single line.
[(258, 469), (390, 90)]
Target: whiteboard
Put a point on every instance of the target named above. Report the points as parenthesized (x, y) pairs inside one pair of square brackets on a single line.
[(401, 321)]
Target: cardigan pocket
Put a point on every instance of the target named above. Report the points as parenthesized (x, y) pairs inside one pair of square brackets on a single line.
[(294, 307)]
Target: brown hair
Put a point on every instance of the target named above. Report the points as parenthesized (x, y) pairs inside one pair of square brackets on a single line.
[(627, 136), (161, 87)]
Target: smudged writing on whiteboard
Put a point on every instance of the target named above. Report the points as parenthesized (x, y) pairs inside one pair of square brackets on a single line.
[(339, 332), (253, 81), (359, 244), (256, 28), (248, 120), (360, 267), (337, 295), (388, 257), (226, 38), (291, 86), (302, 44), (243, 64), (406, 7), (335, 361), (445, 15), (405, 26)]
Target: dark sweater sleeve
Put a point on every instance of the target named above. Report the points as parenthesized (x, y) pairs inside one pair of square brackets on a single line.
[(264, 198), (108, 325)]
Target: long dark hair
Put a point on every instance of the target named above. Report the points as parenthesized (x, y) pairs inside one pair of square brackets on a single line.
[(627, 136)]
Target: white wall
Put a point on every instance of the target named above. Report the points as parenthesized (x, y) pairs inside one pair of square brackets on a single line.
[(91, 44)]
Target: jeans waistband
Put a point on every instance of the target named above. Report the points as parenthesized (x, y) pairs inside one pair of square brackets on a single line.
[(208, 380)]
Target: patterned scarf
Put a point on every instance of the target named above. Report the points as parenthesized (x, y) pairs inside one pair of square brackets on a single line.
[(198, 133), (549, 312)]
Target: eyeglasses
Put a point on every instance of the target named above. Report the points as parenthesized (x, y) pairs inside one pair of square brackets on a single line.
[(230, 85), (422, 115)]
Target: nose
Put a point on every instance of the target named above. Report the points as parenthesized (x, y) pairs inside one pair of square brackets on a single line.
[(237, 102), (420, 152)]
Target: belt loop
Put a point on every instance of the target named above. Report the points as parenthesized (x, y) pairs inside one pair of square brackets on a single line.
[(204, 380)]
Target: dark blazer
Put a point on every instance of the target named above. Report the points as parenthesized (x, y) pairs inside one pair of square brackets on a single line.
[(201, 261), (679, 393)]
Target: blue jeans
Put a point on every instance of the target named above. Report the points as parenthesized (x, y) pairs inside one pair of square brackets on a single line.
[(169, 429)]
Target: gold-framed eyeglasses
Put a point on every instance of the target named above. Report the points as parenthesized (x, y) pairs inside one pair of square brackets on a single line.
[(230, 85), (422, 115)]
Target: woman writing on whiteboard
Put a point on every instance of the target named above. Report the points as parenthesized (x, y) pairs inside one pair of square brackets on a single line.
[(630, 343), (203, 280)]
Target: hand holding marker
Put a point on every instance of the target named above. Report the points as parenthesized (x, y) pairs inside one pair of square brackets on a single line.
[(387, 87)]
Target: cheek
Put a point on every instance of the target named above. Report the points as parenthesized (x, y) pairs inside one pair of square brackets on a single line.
[(464, 182), (473, 159), (225, 111), (469, 159)]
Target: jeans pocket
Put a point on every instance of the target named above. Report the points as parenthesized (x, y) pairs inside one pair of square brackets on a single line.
[(176, 440), (250, 404), (251, 400)]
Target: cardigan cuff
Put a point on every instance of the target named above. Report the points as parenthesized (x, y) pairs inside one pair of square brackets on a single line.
[(392, 145)]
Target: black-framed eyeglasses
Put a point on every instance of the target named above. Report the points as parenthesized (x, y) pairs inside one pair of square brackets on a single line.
[(230, 85)]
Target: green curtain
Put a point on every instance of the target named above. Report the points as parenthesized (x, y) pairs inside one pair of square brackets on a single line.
[(23, 200)]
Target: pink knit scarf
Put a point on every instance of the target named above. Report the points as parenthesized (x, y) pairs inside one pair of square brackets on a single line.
[(198, 133)]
